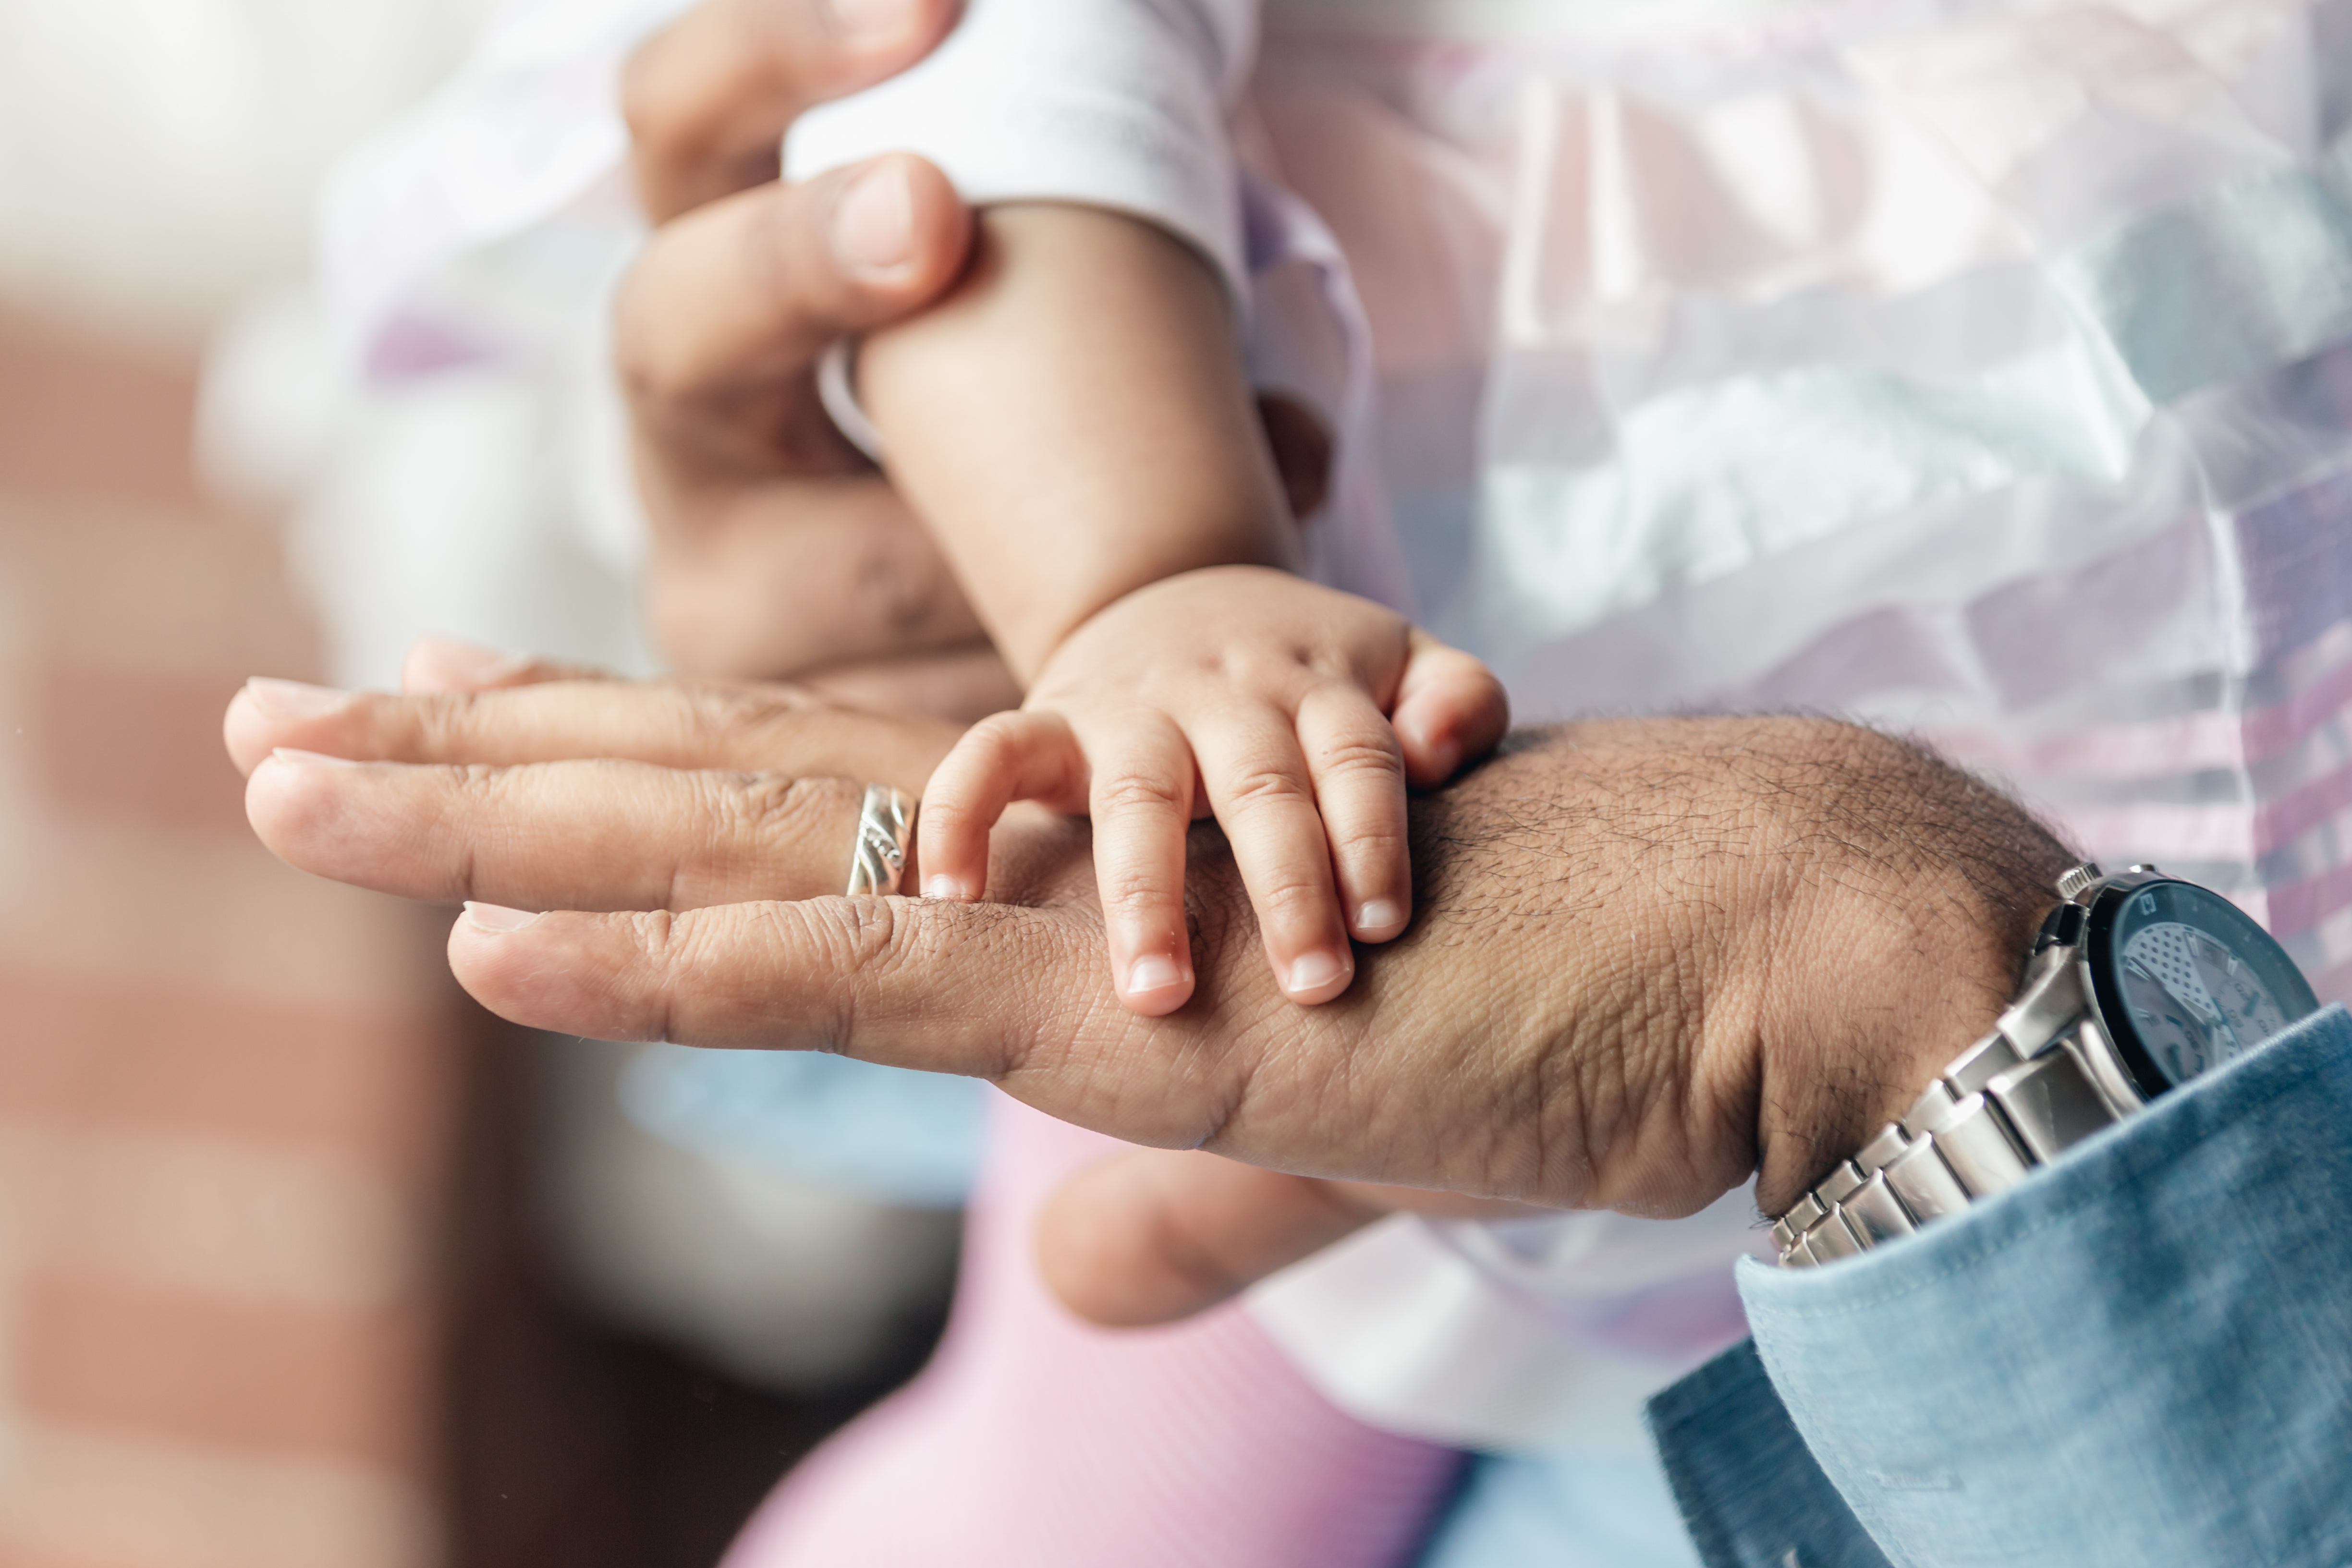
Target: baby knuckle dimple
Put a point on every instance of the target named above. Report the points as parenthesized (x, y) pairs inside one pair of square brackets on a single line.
[(1343, 664), (1366, 849), (1290, 894), (1266, 784), (1143, 789), (1129, 890), (1363, 753)]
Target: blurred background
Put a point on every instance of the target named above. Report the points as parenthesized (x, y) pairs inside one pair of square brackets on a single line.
[(305, 1261)]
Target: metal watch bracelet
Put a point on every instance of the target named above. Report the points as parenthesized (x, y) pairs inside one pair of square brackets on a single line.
[(2014, 1100)]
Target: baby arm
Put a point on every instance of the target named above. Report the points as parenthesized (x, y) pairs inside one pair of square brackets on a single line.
[(1074, 423), (1076, 426)]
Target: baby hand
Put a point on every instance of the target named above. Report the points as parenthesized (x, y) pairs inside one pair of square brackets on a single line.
[(1295, 713)]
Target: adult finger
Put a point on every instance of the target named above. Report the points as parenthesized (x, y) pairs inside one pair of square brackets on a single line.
[(1156, 1236), (1450, 709), (568, 835), (729, 306), (1140, 793), (1007, 757), (1258, 784), (1359, 772), (749, 728), (708, 98), (1013, 993)]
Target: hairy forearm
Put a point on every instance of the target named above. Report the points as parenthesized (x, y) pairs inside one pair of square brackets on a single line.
[(1921, 888), (1728, 945), (1103, 342)]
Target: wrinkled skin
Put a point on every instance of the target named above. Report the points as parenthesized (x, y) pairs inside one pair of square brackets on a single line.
[(1647, 957)]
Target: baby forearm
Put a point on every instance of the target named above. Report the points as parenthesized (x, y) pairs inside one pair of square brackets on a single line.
[(1104, 346)]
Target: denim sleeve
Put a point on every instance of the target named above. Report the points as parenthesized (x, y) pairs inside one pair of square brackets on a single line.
[(2141, 1357)]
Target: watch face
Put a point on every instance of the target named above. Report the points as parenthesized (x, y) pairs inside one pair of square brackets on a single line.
[(2186, 981)]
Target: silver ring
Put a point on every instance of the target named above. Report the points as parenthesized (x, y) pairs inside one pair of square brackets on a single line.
[(886, 826)]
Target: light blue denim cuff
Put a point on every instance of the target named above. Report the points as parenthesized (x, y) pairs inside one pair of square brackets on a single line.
[(2142, 1356)]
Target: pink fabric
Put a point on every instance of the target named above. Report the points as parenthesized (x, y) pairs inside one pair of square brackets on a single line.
[(1037, 1440)]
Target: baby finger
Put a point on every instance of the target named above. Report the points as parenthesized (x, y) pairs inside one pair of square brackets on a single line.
[(1358, 775), (1004, 757), (1264, 798), (1141, 801), (1450, 709)]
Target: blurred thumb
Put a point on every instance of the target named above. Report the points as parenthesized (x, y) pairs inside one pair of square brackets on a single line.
[(1154, 1236), (1450, 709)]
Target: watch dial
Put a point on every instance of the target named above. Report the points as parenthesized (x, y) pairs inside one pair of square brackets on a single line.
[(2197, 981)]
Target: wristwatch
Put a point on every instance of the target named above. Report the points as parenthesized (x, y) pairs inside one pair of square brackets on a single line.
[(2136, 983)]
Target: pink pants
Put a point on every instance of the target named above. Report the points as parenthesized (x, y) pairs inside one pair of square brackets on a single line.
[(1036, 1441)]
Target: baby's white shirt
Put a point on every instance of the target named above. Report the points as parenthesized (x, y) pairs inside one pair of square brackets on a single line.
[(1119, 104)]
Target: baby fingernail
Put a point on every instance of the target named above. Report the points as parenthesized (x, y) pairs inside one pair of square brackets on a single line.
[(874, 224), (496, 918), (300, 759), (945, 887), (1152, 974), (293, 699), (1314, 972), (1380, 914), (873, 19)]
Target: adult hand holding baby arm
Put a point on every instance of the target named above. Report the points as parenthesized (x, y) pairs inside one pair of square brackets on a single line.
[(1095, 344), (1649, 956), (1308, 710), (776, 548)]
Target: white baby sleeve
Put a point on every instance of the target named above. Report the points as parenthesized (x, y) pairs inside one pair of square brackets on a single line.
[(1109, 103)]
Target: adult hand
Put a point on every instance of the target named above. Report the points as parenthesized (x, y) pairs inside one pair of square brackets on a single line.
[(777, 548), (1648, 957)]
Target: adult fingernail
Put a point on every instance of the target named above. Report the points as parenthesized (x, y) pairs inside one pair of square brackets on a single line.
[(1313, 973), (455, 662), (293, 699), (872, 21), (1380, 916), (496, 918), (874, 224), (1151, 974), (301, 759)]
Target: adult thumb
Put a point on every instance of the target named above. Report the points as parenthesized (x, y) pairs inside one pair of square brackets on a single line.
[(1153, 1236)]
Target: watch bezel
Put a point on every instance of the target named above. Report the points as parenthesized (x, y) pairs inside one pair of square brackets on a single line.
[(2101, 960)]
